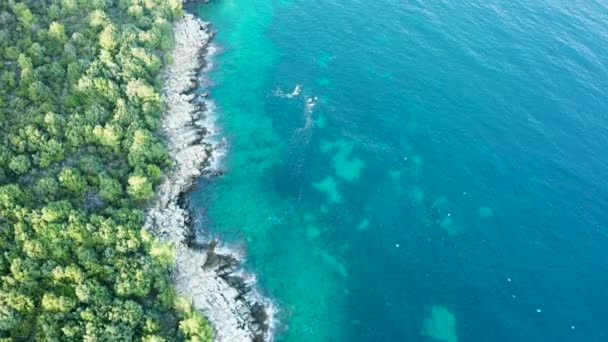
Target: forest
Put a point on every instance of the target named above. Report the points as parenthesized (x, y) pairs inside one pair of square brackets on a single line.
[(80, 155)]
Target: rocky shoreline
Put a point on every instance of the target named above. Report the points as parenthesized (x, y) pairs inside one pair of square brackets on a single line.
[(209, 274)]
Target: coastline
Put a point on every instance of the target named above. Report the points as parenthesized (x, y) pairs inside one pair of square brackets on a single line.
[(209, 274)]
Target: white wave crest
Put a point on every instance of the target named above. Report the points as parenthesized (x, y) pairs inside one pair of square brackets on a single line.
[(295, 93)]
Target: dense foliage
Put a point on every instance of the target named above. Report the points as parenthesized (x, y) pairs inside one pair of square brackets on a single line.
[(79, 156)]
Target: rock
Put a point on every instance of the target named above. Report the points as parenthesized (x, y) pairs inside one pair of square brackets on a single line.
[(206, 273)]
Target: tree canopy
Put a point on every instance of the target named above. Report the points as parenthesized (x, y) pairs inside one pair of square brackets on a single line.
[(80, 108)]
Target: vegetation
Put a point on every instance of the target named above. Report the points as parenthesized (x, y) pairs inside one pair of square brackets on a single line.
[(79, 157)]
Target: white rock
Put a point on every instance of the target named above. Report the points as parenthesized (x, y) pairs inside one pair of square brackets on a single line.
[(208, 292)]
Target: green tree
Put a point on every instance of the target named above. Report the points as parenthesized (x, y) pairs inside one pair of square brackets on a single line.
[(109, 188), (24, 14), (14, 309), (57, 31), (20, 164), (107, 39), (79, 155), (46, 188), (72, 180), (140, 188)]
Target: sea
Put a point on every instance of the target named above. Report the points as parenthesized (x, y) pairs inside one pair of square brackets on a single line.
[(415, 170)]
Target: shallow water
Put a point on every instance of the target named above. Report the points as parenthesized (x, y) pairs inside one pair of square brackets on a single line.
[(441, 176)]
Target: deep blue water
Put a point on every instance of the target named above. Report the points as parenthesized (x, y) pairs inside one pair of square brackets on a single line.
[(451, 182)]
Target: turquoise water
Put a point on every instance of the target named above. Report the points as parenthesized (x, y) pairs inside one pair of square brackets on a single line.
[(450, 182)]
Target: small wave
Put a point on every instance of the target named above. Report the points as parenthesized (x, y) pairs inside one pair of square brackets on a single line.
[(216, 161), (272, 311), (236, 253), (295, 93), (302, 136), (255, 295), (212, 50), (311, 102), (213, 137)]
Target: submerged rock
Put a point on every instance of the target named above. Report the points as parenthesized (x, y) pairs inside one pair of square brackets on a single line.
[(441, 325), (207, 274)]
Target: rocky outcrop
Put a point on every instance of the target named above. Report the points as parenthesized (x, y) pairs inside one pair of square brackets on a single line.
[(208, 274)]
